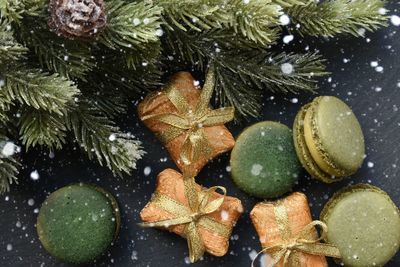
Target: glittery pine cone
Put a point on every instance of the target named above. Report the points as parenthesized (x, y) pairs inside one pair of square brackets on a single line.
[(77, 19)]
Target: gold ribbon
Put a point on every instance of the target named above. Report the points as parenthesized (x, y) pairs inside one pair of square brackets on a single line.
[(192, 121), (193, 216), (305, 241)]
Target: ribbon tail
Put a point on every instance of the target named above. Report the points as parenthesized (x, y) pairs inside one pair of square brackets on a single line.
[(219, 116), (276, 255), (195, 243), (207, 91), (166, 223), (321, 249)]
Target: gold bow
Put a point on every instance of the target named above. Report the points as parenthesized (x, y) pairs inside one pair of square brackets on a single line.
[(192, 121), (192, 216), (305, 241)]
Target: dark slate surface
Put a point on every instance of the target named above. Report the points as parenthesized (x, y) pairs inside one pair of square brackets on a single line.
[(374, 97)]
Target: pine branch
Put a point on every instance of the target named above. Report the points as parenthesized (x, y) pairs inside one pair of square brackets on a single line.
[(10, 49), (255, 20), (39, 90), (14, 10), (130, 25), (38, 127), (243, 74), (102, 140), (242, 78), (290, 3), (338, 16), (8, 167), (66, 57), (121, 80)]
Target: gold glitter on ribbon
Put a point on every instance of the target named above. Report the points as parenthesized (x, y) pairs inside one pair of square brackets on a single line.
[(304, 241), (193, 216), (192, 122)]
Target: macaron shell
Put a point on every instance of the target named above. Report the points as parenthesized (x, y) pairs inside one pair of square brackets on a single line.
[(316, 151), (364, 224), (264, 162), (302, 151), (338, 142), (77, 223)]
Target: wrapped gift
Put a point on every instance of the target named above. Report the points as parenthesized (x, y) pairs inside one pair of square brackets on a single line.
[(181, 117), (288, 235), (203, 216)]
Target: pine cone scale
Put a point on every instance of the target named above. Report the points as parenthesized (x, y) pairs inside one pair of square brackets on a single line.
[(77, 19)]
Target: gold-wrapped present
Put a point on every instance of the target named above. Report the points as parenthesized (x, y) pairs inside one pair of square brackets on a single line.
[(181, 117), (289, 236), (203, 216)]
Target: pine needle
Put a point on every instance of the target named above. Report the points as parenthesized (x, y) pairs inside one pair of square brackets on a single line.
[(339, 16), (40, 90), (103, 141)]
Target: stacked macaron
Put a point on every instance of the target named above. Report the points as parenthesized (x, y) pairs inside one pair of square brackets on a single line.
[(328, 139)]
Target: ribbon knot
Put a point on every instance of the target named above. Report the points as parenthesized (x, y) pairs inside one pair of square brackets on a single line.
[(193, 216), (191, 121), (196, 216), (304, 241)]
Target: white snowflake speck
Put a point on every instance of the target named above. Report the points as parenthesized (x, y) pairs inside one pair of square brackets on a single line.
[(147, 171), (284, 19), (159, 32), (34, 175), (374, 64), (395, 20), (288, 38), (136, 21), (287, 68), (31, 202), (9, 149), (256, 169), (112, 137)]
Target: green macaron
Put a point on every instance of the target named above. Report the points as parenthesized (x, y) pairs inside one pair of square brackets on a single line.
[(263, 161), (328, 139), (364, 223), (78, 223)]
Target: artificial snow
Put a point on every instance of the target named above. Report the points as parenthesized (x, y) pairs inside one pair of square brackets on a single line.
[(287, 68), (395, 20), (284, 19), (147, 171), (8, 149), (288, 38), (34, 175), (256, 169)]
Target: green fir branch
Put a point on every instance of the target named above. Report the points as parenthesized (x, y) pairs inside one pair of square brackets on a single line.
[(255, 20), (102, 140), (130, 25), (8, 167), (242, 75), (40, 90), (69, 58), (10, 49), (339, 16), (39, 127), (14, 10)]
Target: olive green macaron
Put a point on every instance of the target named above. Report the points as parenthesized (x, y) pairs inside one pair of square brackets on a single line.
[(78, 223), (263, 161), (364, 224), (328, 139)]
